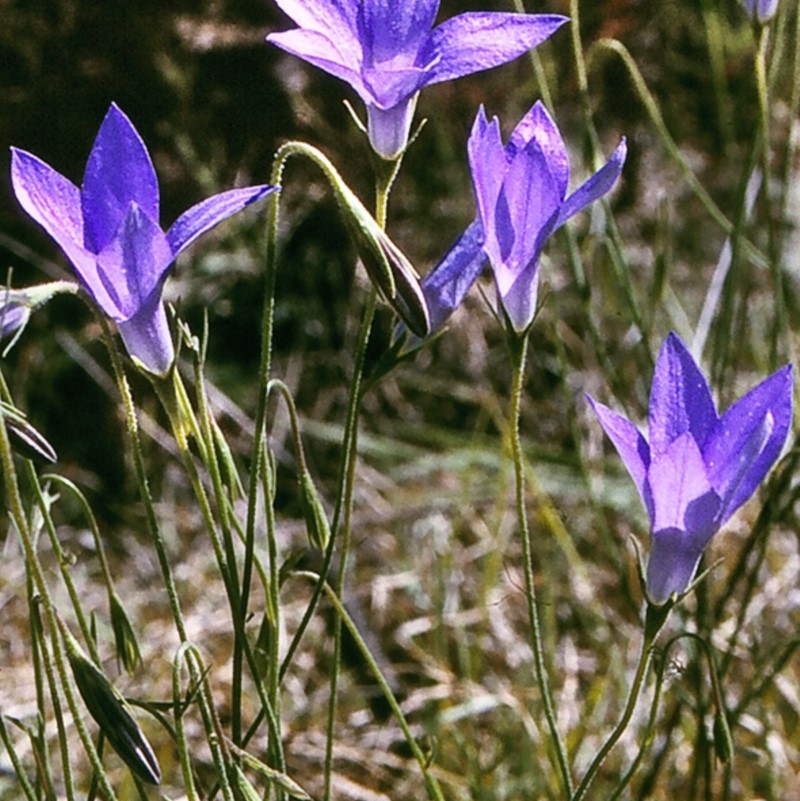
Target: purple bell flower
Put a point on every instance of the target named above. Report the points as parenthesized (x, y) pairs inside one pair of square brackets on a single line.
[(109, 229), (696, 468), (388, 50), (521, 194), (761, 11)]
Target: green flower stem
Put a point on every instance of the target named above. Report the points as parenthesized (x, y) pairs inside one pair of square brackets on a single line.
[(222, 545), (19, 769), (204, 698), (153, 528), (519, 349), (536, 63), (258, 464), (642, 666), (654, 112), (715, 39), (17, 513), (386, 174), (614, 245), (344, 509), (773, 249), (178, 710), (44, 663), (238, 612), (648, 736), (61, 559), (432, 785)]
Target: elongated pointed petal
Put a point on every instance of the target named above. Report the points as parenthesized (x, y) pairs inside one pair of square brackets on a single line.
[(335, 17), (52, 200), (539, 127), (630, 444), (677, 480), (596, 186), (340, 58), (387, 32), (54, 203), (477, 41), (488, 164), (671, 564), (132, 267), (119, 172), (206, 214), (749, 438), (147, 337), (526, 210), (680, 398), (446, 286)]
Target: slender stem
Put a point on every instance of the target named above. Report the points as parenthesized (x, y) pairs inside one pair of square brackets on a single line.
[(345, 511), (434, 790), (205, 701), (642, 666), (16, 763), (773, 251), (45, 664), (387, 172), (257, 465), (654, 112), (62, 561), (153, 528), (17, 513), (519, 348)]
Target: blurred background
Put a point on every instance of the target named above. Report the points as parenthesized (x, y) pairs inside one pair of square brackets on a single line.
[(213, 102)]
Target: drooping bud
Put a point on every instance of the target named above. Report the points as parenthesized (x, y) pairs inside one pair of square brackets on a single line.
[(387, 266), (25, 439), (128, 653), (112, 714), (317, 526)]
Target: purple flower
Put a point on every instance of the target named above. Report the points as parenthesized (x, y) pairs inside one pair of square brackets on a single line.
[(761, 11), (696, 468), (14, 313), (109, 230), (388, 50), (16, 306), (521, 194)]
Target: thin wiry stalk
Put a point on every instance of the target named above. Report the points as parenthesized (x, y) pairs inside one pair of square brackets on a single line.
[(519, 347)]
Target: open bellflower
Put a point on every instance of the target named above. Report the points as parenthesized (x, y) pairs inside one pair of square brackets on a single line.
[(521, 195), (109, 229), (696, 468), (388, 50)]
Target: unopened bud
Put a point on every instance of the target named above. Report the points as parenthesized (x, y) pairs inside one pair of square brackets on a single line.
[(128, 653), (25, 439), (112, 714), (317, 526), (388, 268)]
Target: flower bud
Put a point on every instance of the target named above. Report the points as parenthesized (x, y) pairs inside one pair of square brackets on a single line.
[(112, 714), (128, 653), (387, 266), (25, 439), (317, 526)]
